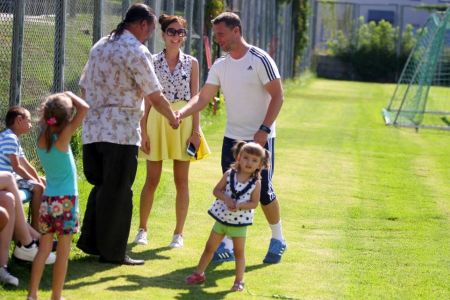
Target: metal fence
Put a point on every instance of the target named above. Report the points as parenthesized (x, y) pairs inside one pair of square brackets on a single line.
[(46, 43)]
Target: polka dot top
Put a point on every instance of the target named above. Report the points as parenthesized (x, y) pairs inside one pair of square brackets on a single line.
[(242, 217), (176, 85)]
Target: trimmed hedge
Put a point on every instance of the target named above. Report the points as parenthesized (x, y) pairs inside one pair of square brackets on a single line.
[(372, 50)]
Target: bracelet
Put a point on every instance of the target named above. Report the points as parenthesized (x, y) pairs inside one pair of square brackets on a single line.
[(265, 128), (197, 133)]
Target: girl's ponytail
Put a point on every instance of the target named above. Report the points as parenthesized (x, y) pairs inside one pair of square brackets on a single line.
[(237, 148), (266, 159), (48, 137), (265, 163)]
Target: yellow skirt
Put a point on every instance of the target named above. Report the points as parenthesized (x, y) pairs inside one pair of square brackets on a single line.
[(169, 143)]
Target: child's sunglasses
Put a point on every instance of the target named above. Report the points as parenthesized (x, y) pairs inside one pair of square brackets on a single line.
[(173, 32)]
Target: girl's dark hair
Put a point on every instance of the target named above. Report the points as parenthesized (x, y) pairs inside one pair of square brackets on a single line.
[(13, 113), (56, 112), (253, 149), (165, 20), (230, 19), (136, 13)]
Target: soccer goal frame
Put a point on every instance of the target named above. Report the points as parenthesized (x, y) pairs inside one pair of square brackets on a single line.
[(422, 96)]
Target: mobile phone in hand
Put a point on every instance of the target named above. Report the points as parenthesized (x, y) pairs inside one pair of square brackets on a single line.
[(191, 150)]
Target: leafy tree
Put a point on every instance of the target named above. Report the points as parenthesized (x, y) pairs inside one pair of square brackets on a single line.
[(212, 9), (300, 12), (300, 16)]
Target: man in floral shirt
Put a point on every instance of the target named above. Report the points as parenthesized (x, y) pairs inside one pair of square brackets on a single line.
[(116, 82)]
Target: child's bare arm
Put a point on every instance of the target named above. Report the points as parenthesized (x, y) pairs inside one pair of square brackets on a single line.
[(81, 110), (19, 168), (30, 169), (254, 198), (219, 190)]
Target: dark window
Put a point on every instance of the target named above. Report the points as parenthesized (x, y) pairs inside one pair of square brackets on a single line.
[(378, 15)]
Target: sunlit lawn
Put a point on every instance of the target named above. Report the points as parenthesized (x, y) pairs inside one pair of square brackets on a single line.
[(365, 211)]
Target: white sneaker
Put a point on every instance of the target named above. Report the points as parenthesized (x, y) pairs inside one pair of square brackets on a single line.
[(28, 254), (141, 237), (7, 278), (177, 241)]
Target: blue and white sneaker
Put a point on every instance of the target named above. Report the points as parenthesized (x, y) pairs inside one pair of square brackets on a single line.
[(223, 254), (276, 250)]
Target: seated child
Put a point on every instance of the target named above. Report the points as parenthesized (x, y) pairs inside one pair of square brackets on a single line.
[(237, 195), (12, 158)]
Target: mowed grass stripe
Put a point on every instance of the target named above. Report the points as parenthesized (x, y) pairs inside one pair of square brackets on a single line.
[(382, 225), (365, 211), (397, 215)]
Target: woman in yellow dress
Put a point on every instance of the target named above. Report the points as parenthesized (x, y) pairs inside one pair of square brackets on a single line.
[(178, 74)]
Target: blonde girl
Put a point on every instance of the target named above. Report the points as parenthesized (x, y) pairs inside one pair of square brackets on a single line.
[(237, 196), (58, 213)]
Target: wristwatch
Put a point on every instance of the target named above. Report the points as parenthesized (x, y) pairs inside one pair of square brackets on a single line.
[(265, 128)]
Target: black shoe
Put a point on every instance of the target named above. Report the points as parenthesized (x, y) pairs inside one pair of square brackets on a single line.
[(126, 261)]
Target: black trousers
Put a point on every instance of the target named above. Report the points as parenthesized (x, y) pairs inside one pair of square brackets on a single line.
[(111, 169)]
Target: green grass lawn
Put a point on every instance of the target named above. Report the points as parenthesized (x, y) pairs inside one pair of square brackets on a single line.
[(365, 209)]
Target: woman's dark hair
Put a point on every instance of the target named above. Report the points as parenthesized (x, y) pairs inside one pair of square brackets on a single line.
[(165, 20), (136, 13), (13, 113), (230, 19)]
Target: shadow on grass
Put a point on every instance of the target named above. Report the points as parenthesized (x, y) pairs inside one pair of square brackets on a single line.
[(87, 266), (78, 267), (21, 270)]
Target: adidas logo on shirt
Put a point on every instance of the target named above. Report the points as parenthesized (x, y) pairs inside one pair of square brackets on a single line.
[(249, 68)]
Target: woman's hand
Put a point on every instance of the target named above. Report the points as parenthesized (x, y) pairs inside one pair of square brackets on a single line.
[(194, 139), (145, 144)]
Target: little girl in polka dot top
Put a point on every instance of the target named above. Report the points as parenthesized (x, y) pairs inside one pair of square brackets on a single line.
[(237, 194)]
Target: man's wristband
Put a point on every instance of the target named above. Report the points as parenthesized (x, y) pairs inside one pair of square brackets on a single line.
[(265, 128)]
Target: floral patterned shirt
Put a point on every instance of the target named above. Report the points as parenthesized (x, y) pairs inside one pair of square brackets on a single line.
[(117, 76), (177, 84)]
